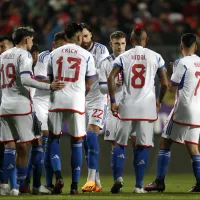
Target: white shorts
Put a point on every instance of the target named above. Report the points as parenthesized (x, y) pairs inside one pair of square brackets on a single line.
[(96, 114), (42, 114), (19, 128), (143, 130), (111, 126), (181, 133), (74, 121)]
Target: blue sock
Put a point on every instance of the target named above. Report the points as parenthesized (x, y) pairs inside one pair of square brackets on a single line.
[(76, 161), (29, 170), (162, 163), (93, 149), (140, 161), (48, 167), (21, 174), (55, 154), (119, 155), (85, 146), (37, 161), (112, 163), (9, 162), (196, 167)]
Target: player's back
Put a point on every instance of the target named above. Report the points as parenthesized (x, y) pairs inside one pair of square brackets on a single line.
[(139, 67), (70, 63), (99, 53), (187, 107), (15, 97)]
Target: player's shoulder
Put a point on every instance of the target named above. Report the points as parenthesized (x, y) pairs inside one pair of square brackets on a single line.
[(150, 51), (43, 55), (100, 48)]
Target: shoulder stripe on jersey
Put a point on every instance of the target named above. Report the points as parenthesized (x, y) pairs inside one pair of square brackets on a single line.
[(102, 47), (91, 47), (26, 72), (42, 56), (117, 65), (40, 76), (101, 83), (121, 62), (87, 64), (176, 62)]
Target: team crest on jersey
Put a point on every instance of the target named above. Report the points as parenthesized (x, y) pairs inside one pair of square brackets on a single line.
[(107, 133)]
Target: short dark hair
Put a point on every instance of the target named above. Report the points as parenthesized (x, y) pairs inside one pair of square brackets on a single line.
[(84, 25), (20, 33), (59, 36), (72, 29), (117, 35), (34, 48), (188, 39), (3, 37)]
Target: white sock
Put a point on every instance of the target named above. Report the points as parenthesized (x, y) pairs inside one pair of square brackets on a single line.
[(97, 179), (91, 174), (119, 179)]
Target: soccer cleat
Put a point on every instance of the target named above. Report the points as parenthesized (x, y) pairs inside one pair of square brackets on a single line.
[(73, 191), (24, 189), (139, 190), (117, 187), (157, 185), (195, 188), (4, 189), (98, 189), (90, 186), (50, 188), (58, 186), (14, 192), (74, 188), (41, 190)]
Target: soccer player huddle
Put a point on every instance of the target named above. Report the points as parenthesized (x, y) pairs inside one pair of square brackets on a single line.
[(79, 85)]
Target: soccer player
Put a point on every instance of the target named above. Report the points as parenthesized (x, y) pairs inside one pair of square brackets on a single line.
[(118, 44), (137, 108), (96, 108), (41, 104), (5, 44), (75, 66), (183, 124), (18, 122)]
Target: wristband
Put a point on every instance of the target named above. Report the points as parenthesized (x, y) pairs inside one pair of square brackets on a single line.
[(112, 100)]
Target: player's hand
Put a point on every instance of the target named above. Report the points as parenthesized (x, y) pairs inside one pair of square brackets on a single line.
[(57, 85), (158, 105), (119, 83), (114, 109)]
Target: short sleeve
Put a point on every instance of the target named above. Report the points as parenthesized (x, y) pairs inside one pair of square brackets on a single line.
[(40, 69), (161, 62), (91, 70), (103, 72), (178, 73), (118, 62), (25, 63)]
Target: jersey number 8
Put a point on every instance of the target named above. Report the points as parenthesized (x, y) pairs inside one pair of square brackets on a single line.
[(138, 75)]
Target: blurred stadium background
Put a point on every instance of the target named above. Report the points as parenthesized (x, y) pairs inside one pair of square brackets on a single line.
[(164, 20)]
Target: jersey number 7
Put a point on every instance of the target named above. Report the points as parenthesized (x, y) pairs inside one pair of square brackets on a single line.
[(197, 74), (76, 65)]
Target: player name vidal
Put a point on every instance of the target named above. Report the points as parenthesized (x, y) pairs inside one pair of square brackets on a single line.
[(9, 56), (138, 57), (69, 51)]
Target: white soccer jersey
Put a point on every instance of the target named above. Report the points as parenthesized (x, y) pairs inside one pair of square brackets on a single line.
[(99, 53), (40, 71), (72, 64), (106, 67), (186, 74), (15, 97), (139, 66)]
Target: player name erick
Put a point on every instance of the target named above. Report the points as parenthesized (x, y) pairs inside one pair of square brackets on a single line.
[(139, 57), (70, 51)]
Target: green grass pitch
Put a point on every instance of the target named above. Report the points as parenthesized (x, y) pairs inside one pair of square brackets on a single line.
[(176, 188)]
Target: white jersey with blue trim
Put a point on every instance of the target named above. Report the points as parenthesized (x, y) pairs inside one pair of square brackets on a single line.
[(186, 75), (72, 64), (15, 97), (139, 67), (99, 53), (40, 71), (106, 67)]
